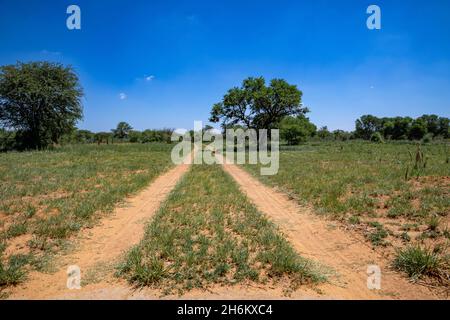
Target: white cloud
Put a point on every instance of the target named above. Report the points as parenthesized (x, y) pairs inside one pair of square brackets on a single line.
[(149, 78), (122, 96), (50, 53)]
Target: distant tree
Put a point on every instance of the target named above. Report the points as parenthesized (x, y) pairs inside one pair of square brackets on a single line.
[(401, 128), (134, 136), (296, 129), (444, 125), (84, 136), (366, 126), (324, 133), (122, 130), (103, 137), (257, 106), (40, 100), (418, 129), (341, 135), (377, 137)]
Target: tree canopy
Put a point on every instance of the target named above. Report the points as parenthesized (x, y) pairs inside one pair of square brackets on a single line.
[(122, 130), (402, 128), (257, 106), (41, 101)]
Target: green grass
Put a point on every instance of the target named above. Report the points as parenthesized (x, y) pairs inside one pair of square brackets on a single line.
[(342, 178), (50, 195), (418, 262), (207, 232), (364, 184)]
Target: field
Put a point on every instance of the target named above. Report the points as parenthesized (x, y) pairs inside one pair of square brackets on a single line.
[(376, 189), (46, 197), (201, 227), (208, 232)]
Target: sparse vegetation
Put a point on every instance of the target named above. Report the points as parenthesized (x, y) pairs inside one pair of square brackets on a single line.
[(47, 196), (208, 232), (418, 262)]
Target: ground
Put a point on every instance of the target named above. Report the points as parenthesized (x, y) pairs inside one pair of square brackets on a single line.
[(321, 210)]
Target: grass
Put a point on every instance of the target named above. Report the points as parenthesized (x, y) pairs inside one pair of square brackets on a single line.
[(207, 232), (47, 196), (418, 262), (361, 183)]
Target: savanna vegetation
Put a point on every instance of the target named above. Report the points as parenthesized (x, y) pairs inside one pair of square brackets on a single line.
[(48, 196), (375, 180), (395, 194), (208, 232)]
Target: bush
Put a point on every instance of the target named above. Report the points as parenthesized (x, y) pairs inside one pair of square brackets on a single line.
[(377, 137), (418, 262), (7, 140), (427, 138)]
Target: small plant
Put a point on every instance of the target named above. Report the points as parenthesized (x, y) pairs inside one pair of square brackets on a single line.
[(405, 237), (12, 272), (377, 137), (433, 223), (16, 230), (417, 164), (354, 220), (377, 237), (418, 262)]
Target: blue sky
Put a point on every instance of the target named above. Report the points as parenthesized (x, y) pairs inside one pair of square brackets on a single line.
[(161, 64)]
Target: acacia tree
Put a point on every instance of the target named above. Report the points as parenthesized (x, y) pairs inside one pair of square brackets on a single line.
[(40, 100), (122, 130), (257, 106)]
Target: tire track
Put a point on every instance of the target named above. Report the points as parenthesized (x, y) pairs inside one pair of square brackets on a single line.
[(315, 239)]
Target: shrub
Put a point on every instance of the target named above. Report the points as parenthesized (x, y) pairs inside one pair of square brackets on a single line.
[(377, 137), (418, 262)]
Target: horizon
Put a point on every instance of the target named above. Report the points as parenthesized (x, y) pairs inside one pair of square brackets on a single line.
[(145, 63)]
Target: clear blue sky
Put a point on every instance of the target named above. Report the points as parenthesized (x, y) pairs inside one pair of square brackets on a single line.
[(172, 60)]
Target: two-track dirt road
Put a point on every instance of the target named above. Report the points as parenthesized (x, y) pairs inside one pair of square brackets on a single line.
[(314, 238), (102, 246)]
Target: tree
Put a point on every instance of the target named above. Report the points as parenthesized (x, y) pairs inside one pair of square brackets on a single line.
[(40, 100), (418, 129), (122, 130), (135, 136), (366, 126), (257, 106), (341, 135), (296, 129), (323, 133)]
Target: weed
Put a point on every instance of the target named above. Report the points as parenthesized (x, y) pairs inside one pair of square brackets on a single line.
[(418, 262)]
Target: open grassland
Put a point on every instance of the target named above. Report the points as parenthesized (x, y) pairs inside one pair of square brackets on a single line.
[(45, 197), (208, 232), (396, 195)]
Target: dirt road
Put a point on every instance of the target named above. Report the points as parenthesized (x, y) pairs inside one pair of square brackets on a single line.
[(315, 238), (320, 241), (102, 246)]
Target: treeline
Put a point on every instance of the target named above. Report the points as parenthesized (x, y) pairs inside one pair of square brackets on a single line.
[(118, 136), (369, 127), (12, 140), (294, 130)]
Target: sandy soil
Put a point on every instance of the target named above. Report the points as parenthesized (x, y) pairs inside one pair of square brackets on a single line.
[(324, 242), (340, 253), (103, 245)]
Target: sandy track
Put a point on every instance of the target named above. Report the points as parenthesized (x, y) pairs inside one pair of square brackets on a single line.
[(104, 244), (318, 240)]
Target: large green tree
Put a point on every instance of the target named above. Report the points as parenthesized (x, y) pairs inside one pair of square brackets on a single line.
[(122, 130), (41, 101), (257, 106), (296, 129)]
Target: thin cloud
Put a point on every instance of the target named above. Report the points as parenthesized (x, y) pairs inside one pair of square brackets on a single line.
[(50, 53), (122, 96), (149, 78)]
